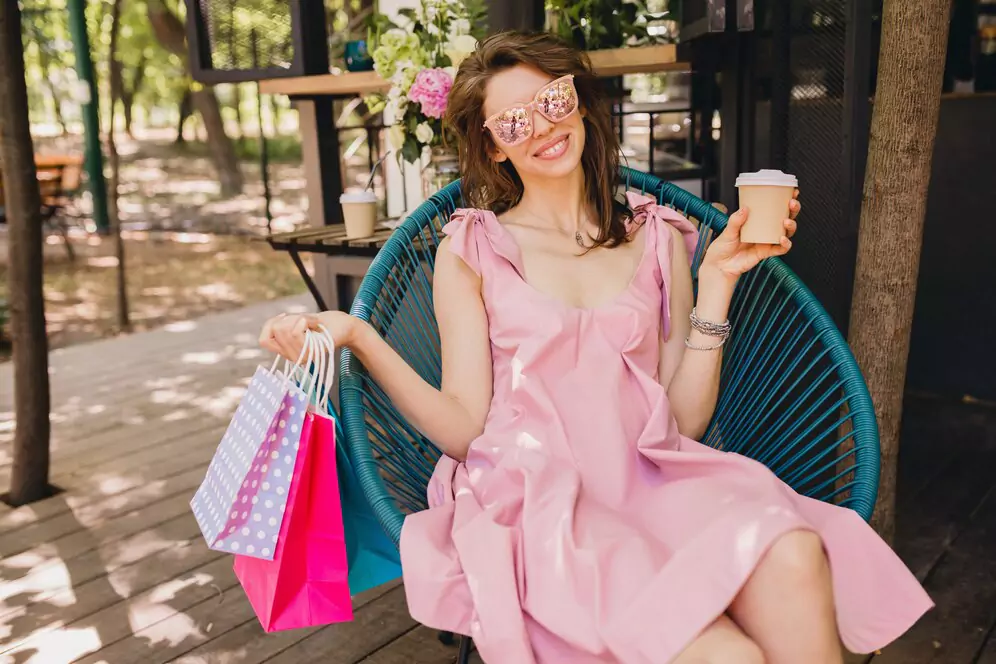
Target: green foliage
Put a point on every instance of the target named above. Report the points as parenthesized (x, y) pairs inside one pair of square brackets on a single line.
[(595, 24)]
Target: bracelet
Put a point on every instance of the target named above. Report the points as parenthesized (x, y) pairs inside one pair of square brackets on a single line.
[(690, 345), (710, 329)]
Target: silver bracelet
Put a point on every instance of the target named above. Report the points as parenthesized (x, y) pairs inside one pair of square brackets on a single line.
[(689, 344), (708, 328)]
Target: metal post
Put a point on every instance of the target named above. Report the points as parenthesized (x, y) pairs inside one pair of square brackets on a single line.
[(91, 114)]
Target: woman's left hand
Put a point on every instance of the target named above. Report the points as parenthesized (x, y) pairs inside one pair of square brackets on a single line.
[(729, 257)]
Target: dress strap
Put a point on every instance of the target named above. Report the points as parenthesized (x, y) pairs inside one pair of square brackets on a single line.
[(646, 210), (476, 236)]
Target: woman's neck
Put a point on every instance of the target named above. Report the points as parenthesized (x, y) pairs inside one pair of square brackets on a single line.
[(560, 202)]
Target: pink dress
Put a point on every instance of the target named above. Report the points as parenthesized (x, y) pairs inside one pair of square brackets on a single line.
[(583, 527)]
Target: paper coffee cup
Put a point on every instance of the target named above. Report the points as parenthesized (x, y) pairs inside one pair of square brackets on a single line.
[(767, 193), (359, 212)]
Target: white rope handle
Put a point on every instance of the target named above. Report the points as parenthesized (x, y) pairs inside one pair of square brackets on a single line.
[(306, 348), (329, 342)]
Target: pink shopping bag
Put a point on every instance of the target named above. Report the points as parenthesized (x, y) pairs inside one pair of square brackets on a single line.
[(306, 583)]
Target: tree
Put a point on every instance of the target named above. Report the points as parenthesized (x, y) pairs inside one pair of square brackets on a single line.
[(29, 475), (169, 31), (894, 201), (117, 91)]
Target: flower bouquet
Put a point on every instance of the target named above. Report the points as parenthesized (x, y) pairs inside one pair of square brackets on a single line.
[(418, 56)]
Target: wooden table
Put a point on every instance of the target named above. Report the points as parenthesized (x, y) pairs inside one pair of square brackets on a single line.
[(332, 241)]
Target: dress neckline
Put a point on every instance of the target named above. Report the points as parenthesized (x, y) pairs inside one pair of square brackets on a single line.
[(513, 254)]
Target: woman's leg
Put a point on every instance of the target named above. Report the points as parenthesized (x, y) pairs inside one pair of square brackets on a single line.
[(721, 643), (787, 605)]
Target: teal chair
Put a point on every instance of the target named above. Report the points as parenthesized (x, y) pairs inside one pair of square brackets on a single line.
[(791, 395)]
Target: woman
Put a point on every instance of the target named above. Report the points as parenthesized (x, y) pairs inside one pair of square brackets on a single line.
[(573, 518)]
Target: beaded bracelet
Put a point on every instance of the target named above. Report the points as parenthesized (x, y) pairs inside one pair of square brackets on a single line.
[(708, 328), (689, 344)]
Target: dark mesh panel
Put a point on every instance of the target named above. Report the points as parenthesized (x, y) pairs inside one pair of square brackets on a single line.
[(822, 256), (230, 25)]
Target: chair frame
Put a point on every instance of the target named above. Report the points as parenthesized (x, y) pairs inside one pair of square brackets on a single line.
[(860, 412)]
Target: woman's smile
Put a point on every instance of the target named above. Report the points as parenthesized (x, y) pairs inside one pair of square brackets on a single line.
[(554, 148)]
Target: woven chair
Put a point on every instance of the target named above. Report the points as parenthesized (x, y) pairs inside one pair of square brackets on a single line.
[(791, 395)]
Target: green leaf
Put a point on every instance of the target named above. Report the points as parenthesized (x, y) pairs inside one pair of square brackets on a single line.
[(411, 151)]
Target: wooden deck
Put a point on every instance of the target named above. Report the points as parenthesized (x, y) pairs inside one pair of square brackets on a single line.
[(114, 569)]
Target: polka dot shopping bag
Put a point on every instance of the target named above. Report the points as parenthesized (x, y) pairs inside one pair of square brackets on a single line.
[(306, 584), (240, 504)]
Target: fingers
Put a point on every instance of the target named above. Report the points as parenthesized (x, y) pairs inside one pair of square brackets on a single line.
[(790, 227), (737, 221), (284, 335), (794, 207)]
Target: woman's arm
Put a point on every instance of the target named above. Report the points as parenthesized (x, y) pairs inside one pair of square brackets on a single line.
[(691, 375), (451, 417), (691, 378)]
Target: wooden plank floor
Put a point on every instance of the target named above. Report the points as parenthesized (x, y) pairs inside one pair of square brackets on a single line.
[(113, 569)]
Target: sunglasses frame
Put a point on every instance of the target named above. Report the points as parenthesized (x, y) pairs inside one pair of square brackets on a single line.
[(532, 108)]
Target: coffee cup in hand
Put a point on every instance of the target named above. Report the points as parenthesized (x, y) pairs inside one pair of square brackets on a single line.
[(767, 193), (359, 212)]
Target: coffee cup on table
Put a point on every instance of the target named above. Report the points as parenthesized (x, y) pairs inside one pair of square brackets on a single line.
[(359, 212), (767, 193)]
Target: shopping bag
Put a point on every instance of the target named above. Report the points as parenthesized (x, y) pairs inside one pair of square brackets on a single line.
[(306, 582), (250, 471), (373, 557)]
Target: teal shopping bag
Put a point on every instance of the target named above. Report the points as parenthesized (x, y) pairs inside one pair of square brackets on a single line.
[(373, 557)]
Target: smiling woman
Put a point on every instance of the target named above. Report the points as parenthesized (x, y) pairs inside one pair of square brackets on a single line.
[(574, 516)]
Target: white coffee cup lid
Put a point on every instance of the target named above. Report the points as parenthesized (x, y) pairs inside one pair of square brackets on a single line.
[(767, 178), (358, 196)]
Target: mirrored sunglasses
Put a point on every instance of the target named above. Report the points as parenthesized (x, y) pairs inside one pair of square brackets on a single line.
[(555, 101)]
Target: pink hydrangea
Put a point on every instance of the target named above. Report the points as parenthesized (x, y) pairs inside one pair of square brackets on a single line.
[(430, 90)]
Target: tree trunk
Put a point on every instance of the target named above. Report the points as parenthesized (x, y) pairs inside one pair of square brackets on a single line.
[(904, 123), (186, 108), (128, 93), (45, 61), (221, 148), (169, 31), (29, 474), (117, 84)]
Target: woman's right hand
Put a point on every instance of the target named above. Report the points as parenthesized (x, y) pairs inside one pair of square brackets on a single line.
[(284, 334)]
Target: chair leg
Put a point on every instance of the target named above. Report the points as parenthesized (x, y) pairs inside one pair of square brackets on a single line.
[(465, 646), (446, 638)]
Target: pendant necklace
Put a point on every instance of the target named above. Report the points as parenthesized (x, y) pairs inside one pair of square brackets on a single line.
[(578, 238)]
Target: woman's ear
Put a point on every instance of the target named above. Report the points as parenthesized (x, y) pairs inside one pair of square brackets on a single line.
[(499, 156)]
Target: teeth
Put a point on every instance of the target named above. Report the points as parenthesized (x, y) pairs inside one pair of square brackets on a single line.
[(553, 148)]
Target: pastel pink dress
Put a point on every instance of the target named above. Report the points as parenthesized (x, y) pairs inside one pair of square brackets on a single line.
[(583, 526)]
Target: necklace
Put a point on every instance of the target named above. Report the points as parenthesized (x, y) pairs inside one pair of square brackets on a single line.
[(579, 239)]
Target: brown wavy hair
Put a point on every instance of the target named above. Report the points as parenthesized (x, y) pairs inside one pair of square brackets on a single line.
[(496, 186)]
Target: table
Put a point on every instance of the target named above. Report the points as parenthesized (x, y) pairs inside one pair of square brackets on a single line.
[(349, 259)]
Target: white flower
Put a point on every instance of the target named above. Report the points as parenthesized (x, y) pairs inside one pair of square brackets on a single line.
[(424, 133), (459, 26), (432, 28), (459, 48), (395, 108)]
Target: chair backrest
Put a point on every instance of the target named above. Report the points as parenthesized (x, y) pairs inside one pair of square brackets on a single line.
[(791, 394)]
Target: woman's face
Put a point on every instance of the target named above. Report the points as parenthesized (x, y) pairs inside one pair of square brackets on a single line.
[(555, 148)]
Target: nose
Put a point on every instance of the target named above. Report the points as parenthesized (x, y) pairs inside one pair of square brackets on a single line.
[(541, 126)]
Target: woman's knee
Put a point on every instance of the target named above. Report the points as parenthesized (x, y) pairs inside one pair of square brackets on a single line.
[(723, 642), (797, 557), (741, 651)]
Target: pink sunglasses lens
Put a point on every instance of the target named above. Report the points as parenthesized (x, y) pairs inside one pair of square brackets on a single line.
[(513, 125), (558, 101)]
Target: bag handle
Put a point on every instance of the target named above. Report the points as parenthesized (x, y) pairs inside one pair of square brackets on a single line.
[(329, 342)]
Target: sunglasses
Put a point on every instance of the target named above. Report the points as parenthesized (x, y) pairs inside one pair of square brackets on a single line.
[(555, 101)]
